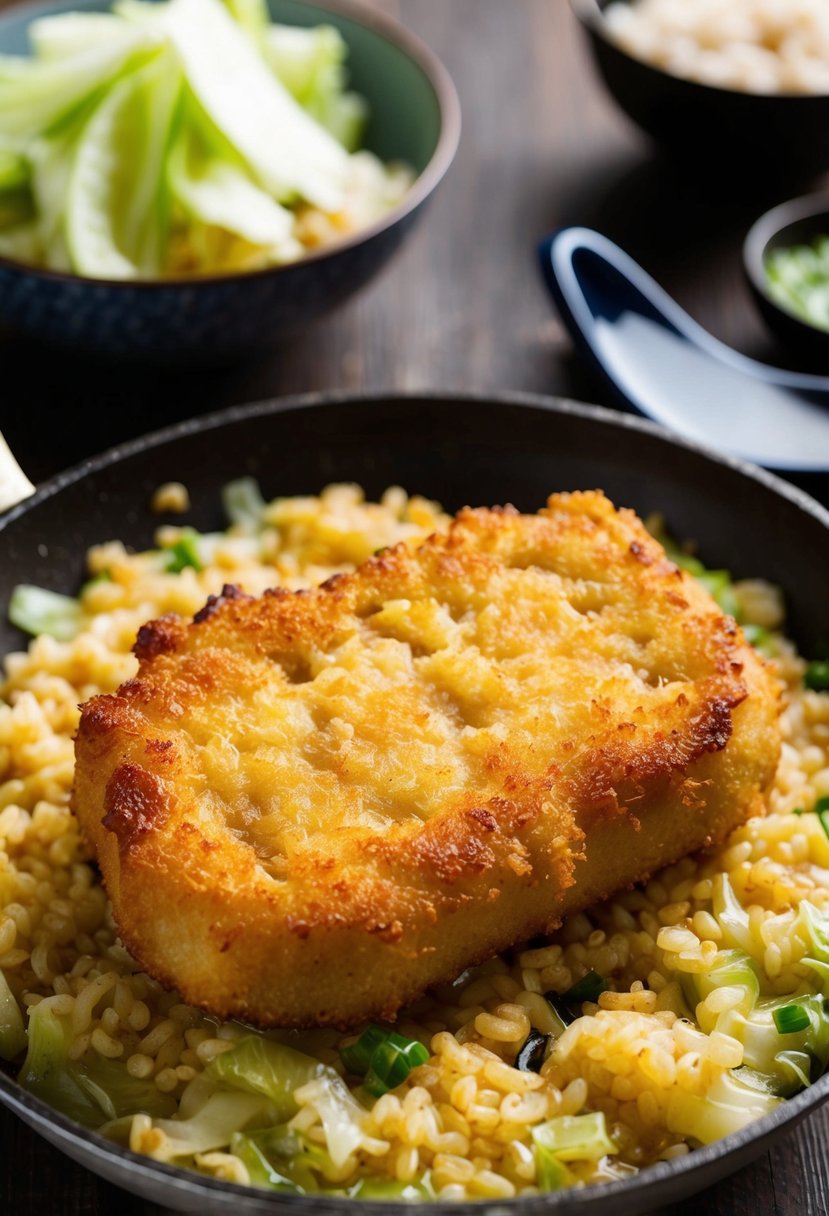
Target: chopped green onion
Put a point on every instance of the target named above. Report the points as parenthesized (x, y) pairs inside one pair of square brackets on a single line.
[(357, 1056), (184, 552), (532, 1052), (798, 810), (392, 1062), (243, 502), (384, 1058), (588, 988), (36, 610), (822, 804), (790, 1019), (817, 675), (560, 1008)]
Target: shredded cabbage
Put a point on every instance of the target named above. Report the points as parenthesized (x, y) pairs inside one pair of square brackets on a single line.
[(260, 1066), (575, 1137), (310, 63), (728, 1105), (243, 502), (90, 1090), (816, 926), (36, 610), (12, 1031), (341, 1115), (279, 1159), (184, 136), (211, 1127)]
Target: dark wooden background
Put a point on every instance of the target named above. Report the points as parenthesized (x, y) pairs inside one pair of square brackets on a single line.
[(461, 307)]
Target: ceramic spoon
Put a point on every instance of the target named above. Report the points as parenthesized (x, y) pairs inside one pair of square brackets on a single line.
[(665, 365), (14, 484)]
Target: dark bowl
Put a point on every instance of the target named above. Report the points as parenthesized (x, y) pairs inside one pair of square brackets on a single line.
[(714, 128), (797, 222), (459, 449), (415, 117)]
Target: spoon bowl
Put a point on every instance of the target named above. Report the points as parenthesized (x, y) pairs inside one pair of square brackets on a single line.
[(659, 362)]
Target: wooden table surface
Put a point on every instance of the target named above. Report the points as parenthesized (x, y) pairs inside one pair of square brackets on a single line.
[(461, 307)]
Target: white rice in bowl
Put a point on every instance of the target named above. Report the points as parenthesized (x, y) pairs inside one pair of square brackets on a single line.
[(660, 1060), (756, 46)]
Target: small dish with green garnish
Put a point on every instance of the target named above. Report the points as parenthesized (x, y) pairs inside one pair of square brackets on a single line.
[(786, 259)]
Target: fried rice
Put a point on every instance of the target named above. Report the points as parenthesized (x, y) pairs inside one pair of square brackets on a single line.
[(657, 1056)]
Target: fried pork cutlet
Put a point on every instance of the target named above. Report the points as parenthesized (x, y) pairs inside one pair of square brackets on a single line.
[(308, 807)]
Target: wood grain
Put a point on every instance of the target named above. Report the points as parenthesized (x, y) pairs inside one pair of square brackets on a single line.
[(461, 307)]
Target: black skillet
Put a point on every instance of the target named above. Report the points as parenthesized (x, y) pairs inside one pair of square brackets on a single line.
[(459, 449)]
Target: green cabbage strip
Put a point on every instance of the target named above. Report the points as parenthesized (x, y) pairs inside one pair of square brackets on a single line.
[(14, 170), (116, 213), (816, 925), (219, 192), (310, 63), (16, 208), (277, 1072), (12, 1032), (37, 94), (251, 15), (213, 1125), (284, 148), (260, 1066), (23, 241), (568, 1138), (280, 1160), (787, 1059), (728, 1106), (36, 610), (90, 1091), (196, 114), (72, 34), (243, 503)]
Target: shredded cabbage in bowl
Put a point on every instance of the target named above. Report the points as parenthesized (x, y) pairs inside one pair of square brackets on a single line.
[(179, 138)]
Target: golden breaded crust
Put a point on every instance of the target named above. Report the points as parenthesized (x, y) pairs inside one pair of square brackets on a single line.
[(309, 807)]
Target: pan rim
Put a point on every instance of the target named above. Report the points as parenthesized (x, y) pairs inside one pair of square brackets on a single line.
[(183, 1183), (230, 415)]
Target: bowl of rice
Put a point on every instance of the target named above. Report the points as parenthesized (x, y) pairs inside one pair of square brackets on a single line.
[(646, 1049), (194, 179), (744, 84)]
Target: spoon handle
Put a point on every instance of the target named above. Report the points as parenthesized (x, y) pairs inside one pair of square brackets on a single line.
[(658, 361), (592, 280), (14, 484)]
